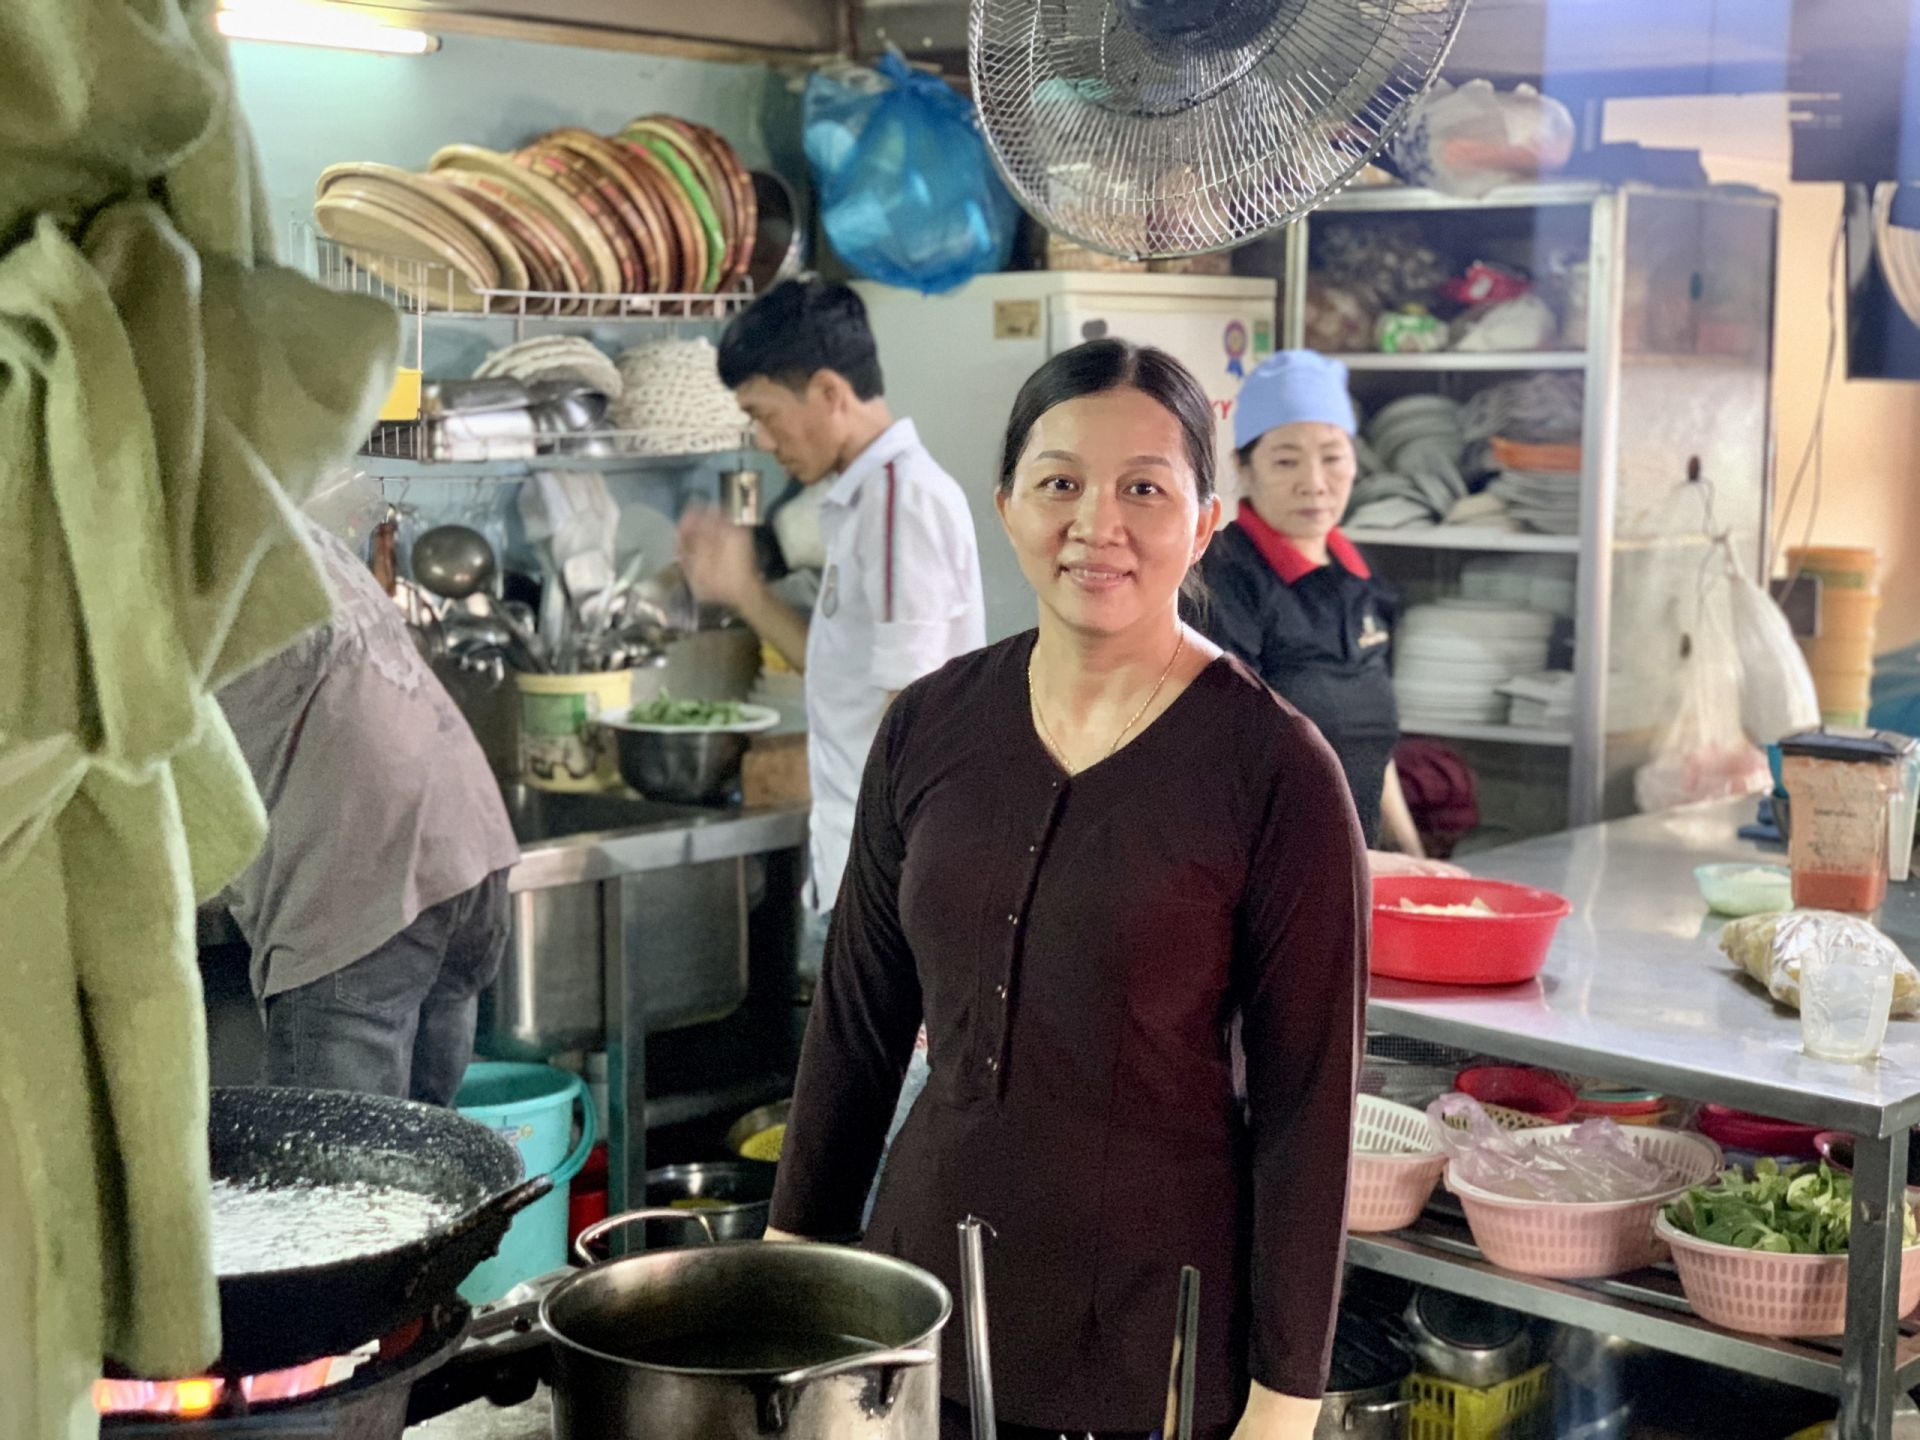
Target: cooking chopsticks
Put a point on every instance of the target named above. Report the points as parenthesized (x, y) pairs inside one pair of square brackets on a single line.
[(1186, 1337)]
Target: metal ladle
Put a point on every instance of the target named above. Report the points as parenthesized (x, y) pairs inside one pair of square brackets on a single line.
[(453, 561)]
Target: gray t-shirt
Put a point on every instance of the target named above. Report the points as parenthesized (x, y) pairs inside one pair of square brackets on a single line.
[(379, 801)]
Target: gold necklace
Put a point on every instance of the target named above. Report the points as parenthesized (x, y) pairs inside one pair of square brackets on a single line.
[(1053, 746)]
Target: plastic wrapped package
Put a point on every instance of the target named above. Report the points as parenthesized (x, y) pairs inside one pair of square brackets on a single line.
[(1473, 139), (1524, 323), (1772, 949), (1596, 1162), (1393, 263), (1339, 318)]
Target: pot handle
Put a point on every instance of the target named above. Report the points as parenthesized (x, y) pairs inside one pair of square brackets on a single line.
[(507, 1203), (583, 1242), (776, 1400), (1355, 1413)]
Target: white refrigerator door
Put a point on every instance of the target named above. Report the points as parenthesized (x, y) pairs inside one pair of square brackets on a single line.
[(1219, 339)]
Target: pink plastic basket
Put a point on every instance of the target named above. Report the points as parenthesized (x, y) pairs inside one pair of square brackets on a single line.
[(1762, 1293), (1583, 1241), (1397, 1160)]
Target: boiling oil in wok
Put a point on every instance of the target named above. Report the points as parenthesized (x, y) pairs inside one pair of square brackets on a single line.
[(769, 1350), (284, 1227)]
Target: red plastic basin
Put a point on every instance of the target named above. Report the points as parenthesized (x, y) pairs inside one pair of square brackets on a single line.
[(1743, 1130), (1519, 1087), (1504, 948)]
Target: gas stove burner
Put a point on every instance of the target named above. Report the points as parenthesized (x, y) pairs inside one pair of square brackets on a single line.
[(362, 1396)]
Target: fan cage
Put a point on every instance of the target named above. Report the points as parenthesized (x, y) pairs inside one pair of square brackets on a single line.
[(1153, 148)]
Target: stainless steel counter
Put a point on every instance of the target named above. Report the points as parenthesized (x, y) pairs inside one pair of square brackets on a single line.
[(633, 918), (581, 839), (1636, 990)]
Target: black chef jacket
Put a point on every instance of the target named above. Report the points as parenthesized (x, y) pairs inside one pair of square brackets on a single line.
[(1317, 635)]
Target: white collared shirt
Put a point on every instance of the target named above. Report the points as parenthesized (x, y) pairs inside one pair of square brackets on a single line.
[(899, 598)]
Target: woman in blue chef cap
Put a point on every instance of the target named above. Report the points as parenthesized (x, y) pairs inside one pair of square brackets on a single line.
[(1292, 597)]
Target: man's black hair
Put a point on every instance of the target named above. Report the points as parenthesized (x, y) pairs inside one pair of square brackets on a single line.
[(796, 330)]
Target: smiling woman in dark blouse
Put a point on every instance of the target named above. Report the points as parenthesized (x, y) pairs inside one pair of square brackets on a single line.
[(1081, 854)]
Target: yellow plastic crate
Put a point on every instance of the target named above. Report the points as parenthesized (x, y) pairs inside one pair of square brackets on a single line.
[(1444, 1410)]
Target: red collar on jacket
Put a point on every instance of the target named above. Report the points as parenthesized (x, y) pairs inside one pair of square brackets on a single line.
[(1284, 556)]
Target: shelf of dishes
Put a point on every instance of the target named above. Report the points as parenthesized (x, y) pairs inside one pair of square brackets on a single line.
[(656, 218), (1646, 1307), (562, 398), (422, 287), (1465, 537), (1490, 734)]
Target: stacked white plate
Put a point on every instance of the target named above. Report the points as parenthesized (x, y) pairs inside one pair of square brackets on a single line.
[(1540, 702), (1544, 500), (1533, 582), (1452, 657)]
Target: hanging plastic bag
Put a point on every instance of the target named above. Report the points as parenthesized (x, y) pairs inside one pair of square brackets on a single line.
[(1776, 688), (908, 192), (1703, 754)]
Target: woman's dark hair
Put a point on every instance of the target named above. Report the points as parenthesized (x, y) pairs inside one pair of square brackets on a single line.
[(798, 329), (1102, 365)]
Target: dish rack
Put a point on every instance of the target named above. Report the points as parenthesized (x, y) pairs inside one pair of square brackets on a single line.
[(424, 292)]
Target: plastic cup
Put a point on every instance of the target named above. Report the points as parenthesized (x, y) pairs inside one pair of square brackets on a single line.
[(1901, 812), (1846, 994)]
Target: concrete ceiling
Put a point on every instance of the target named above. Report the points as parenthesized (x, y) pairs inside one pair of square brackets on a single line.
[(1594, 47)]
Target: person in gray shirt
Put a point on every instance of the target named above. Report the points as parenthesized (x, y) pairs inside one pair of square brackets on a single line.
[(377, 911)]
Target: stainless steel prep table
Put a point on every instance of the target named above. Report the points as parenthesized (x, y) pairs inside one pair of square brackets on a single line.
[(603, 842), (1637, 991)]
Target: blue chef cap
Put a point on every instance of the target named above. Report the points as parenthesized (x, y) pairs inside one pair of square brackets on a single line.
[(1292, 385)]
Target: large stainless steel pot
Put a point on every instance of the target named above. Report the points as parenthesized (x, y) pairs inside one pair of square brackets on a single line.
[(748, 1340), (1363, 1396)]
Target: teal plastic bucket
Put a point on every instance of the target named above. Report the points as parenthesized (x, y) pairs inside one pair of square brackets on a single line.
[(533, 1107)]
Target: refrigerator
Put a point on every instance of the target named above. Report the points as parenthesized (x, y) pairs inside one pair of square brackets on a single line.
[(953, 364)]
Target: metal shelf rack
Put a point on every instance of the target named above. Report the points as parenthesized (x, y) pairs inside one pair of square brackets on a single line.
[(1675, 367), (1635, 989)]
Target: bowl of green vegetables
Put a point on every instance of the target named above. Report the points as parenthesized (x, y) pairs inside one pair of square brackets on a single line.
[(685, 752), (1766, 1253)]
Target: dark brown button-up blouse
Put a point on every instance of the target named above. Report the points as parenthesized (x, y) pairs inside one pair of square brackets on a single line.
[(1079, 947)]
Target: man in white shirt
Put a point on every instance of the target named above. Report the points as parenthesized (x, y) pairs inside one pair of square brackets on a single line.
[(900, 593)]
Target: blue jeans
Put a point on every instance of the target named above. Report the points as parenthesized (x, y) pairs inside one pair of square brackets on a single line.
[(399, 1021), (813, 949)]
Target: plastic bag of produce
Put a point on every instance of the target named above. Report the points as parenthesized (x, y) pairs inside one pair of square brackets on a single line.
[(1703, 754), (1771, 948), (1595, 1162), (908, 192)]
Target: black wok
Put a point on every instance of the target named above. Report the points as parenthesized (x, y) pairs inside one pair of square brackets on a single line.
[(263, 1136)]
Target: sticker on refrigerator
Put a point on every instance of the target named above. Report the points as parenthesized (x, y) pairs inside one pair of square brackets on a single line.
[(1016, 319), (1235, 340)]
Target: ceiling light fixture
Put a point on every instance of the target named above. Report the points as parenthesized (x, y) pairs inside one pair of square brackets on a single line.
[(287, 22)]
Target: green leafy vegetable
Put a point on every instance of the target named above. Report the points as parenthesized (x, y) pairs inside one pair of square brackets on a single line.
[(702, 714), (1801, 1210)]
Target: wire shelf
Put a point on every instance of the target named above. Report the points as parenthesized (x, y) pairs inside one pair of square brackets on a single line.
[(412, 440), (423, 288)]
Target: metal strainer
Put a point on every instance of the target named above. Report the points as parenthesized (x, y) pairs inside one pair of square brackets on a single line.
[(1175, 127)]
